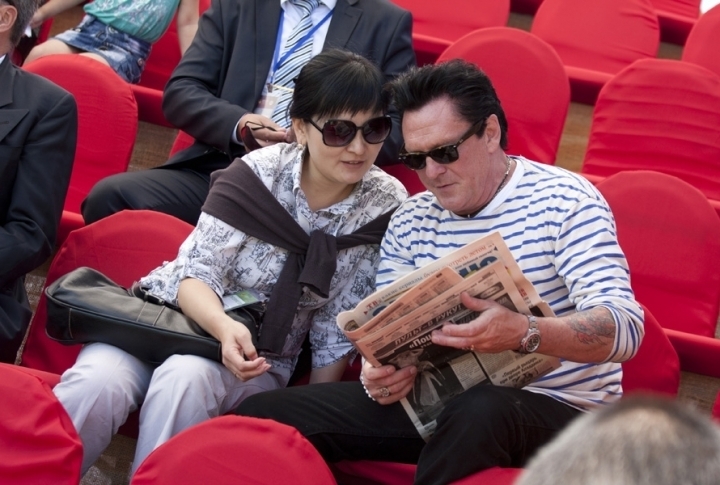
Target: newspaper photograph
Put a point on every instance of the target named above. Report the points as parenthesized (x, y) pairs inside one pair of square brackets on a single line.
[(399, 334)]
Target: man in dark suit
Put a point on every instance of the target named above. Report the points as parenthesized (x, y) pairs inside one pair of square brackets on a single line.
[(219, 82), (38, 129)]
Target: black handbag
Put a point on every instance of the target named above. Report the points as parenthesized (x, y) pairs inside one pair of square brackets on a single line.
[(86, 306)]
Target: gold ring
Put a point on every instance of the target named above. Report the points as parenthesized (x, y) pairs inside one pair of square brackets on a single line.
[(384, 392)]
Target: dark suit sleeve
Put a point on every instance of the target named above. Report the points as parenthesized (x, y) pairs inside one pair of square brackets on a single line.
[(399, 57), (192, 98), (38, 192)]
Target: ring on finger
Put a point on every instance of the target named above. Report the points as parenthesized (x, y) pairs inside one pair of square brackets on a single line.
[(384, 392)]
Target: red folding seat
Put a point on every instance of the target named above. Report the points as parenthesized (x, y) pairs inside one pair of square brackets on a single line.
[(597, 38), (437, 25), (125, 247), (677, 18), (235, 449), (164, 56), (703, 44), (671, 237), (38, 442), (107, 125), (535, 98), (663, 115)]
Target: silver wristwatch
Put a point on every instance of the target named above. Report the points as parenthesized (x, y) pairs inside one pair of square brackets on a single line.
[(531, 340)]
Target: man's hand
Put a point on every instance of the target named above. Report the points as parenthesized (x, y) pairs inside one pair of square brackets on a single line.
[(495, 330), (393, 384), (238, 353), (265, 131)]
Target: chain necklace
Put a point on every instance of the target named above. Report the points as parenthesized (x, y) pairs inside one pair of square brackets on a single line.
[(502, 184)]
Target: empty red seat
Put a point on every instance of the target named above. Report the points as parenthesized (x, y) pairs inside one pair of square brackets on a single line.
[(702, 46), (437, 25), (597, 38), (107, 125)]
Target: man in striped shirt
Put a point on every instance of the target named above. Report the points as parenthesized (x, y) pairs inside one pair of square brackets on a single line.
[(562, 234)]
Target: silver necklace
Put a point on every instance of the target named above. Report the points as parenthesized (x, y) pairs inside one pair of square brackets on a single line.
[(502, 184)]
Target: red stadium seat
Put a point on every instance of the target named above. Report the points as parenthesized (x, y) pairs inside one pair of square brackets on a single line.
[(182, 141), (597, 38), (38, 442), (107, 125), (663, 115), (235, 449), (437, 25), (125, 247), (164, 56), (702, 46), (671, 237), (535, 98), (677, 18)]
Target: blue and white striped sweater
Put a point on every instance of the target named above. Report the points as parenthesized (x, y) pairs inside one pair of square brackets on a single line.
[(562, 234)]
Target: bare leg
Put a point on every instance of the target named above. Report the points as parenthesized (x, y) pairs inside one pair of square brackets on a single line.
[(49, 47), (96, 57)]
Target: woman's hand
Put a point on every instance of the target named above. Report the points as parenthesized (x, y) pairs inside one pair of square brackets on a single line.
[(238, 352), (387, 384)]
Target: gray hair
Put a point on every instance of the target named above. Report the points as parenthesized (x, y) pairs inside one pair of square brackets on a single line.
[(25, 10), (639, 441)]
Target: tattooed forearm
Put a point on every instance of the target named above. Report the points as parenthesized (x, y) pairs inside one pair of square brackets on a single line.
[(593, 327)]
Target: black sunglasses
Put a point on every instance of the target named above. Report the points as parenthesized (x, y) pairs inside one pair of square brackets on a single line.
[(339, 133), (443, 155)]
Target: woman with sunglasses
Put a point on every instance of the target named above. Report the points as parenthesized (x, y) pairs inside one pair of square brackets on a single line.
[(299, 222)]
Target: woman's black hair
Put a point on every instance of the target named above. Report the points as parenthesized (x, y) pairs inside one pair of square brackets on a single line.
[(338, 81)]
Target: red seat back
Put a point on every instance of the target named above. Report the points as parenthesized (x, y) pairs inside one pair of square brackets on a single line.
[(231, 450), (452, 19), (597, 38), (671, 237), (703, 44), (535, 98), (656, 366), (38, 442), (107, 119), (125, 247), (659, 114)]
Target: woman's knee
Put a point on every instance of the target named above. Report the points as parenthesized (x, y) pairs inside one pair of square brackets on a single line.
[(49, 47)]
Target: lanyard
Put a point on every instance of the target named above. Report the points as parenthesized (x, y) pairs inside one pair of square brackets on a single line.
[(278, 62)]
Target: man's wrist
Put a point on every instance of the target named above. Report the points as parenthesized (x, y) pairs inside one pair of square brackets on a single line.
[(531, 341)]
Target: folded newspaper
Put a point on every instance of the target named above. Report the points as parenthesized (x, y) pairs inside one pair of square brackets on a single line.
[(394, 326)]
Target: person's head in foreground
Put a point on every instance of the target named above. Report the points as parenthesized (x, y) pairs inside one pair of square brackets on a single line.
[(639, 441), (455, 133), (338, 115)]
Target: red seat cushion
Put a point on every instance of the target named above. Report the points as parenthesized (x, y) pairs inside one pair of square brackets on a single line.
[(38, 442), (701, 46), (235, 450)]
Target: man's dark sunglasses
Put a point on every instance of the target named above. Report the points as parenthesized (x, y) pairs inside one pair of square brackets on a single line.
[(443, 155), (339, 133)]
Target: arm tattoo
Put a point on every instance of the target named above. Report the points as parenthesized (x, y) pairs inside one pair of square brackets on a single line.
[(593, 326)]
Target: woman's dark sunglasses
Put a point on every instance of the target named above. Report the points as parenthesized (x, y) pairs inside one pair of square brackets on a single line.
[(339, 133), (443, 155)]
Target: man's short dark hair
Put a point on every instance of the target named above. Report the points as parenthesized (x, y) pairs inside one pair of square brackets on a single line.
[(338, 81), (463, 82), (25, 10)]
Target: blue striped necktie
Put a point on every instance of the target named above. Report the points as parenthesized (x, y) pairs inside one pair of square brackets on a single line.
[(290, 68)]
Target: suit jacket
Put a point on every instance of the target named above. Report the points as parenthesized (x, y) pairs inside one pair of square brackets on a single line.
[(222, 74), (38, 129)]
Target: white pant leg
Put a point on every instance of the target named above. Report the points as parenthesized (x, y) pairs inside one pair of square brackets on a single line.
[(98, 392), (186, 390)]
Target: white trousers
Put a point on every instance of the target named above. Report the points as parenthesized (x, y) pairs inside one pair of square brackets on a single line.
[(106, 384)]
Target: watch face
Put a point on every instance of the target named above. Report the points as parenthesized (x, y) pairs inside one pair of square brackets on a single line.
[(532, 343)]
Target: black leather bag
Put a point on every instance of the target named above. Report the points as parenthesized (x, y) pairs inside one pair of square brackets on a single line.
[(86, 306)]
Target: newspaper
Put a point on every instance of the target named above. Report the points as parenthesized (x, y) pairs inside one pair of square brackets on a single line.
[(394, 326)]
